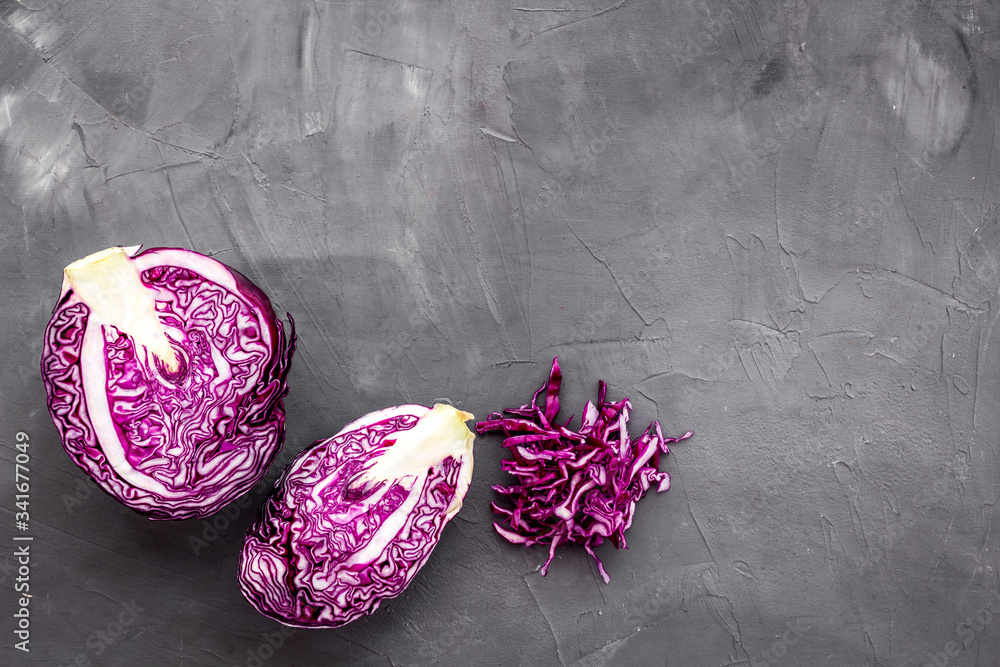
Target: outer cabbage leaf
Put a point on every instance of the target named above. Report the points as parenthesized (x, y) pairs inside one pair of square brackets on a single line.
[(173, 406), (353, 518)]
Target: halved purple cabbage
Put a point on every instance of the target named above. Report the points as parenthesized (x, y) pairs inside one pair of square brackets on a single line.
[(353, 518), (164, 371), (575, 486)]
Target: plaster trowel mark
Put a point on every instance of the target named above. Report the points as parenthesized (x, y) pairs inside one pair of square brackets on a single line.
[(613, 277), (91, 162)]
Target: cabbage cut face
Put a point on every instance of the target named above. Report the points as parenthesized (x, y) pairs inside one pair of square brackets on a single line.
[(164, 372), (354, 517)]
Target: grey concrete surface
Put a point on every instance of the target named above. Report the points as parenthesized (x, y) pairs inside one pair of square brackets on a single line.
[(772, 223)]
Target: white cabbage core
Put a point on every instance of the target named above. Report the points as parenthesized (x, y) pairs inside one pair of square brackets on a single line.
[(110, 286)]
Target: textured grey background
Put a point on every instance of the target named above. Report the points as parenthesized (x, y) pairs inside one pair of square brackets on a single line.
[(768, 222)]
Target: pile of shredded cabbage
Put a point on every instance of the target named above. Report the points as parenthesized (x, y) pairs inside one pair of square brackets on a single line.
[(575, 486)]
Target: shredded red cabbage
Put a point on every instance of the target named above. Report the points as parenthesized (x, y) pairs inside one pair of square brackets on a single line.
[(575, 486)]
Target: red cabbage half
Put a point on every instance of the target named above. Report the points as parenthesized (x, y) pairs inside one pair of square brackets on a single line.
[(164, 372), (354, 517), (575, 486)]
